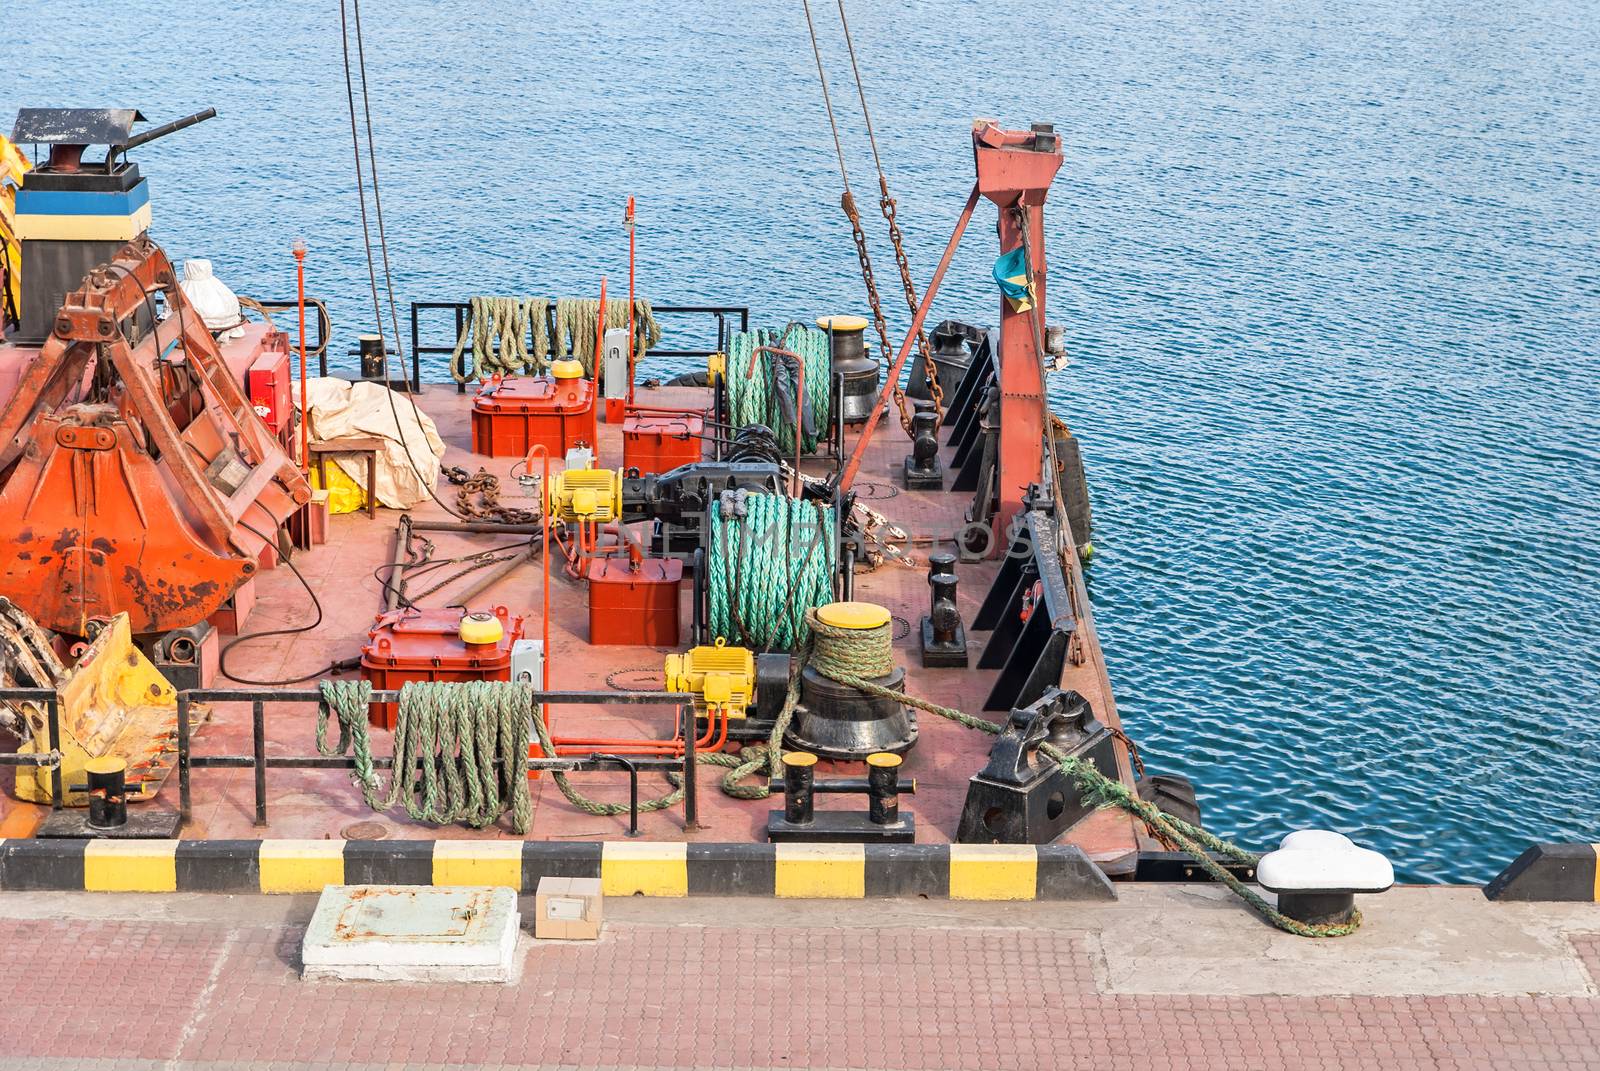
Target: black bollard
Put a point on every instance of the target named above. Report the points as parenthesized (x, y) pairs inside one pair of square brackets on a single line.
[(799, 778), (922, 469), (108, 791), (944, 639), (883, 788)]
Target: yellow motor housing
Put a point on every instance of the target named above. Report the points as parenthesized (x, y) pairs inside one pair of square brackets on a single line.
[(721, 677), (585, 495)]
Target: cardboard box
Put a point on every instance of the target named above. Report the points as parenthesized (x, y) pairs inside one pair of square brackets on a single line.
[(568, 909)]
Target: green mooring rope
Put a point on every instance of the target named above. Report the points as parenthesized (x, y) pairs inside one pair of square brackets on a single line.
[(771, 559), (850, 656), (753, 396), (576, 327), (459, 749), (499, 328)]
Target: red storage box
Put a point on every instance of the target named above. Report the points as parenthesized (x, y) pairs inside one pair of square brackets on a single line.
[(267, 387), (634, 607), (660, 442), (511, 416), (426, 645)]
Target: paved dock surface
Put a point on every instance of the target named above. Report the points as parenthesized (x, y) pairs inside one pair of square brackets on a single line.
[(1168, 977)]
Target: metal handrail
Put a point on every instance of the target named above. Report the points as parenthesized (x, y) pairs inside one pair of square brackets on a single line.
[(260, 762), (52, 758), (460, 309)]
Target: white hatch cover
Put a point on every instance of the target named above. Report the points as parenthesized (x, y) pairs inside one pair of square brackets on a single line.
[(413, 933)]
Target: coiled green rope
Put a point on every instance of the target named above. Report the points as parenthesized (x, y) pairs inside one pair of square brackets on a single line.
[(499, 329), (754, 395), (771, 559)]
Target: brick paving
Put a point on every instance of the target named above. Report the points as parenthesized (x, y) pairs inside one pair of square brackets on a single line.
[(135, 994)]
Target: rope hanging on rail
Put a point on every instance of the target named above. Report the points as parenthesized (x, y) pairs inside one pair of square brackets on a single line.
[(761, 384), (576, 327), (772, 558), (460, 749), (499, 329)]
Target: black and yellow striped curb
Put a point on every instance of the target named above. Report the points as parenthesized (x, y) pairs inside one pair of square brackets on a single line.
[(625, 868), (1550, 872)]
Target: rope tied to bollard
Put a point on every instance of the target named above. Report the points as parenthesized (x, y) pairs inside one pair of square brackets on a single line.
[(850, 656)]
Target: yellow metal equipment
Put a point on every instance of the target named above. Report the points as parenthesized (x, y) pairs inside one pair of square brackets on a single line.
[(585, 495), (12, 166), (722, 678), (113, 705)]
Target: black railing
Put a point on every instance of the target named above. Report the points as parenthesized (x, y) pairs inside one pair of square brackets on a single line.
[(259, 761), (720, 315), (52, 719)]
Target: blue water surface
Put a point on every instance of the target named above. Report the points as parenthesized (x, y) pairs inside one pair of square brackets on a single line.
[(1330, 274)]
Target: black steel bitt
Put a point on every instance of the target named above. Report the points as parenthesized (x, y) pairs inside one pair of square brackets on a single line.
[(883, 788), (799, 775), (108, 793), (944, 611)]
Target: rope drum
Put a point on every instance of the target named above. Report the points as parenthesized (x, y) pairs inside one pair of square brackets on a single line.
[(761, 385), (771, 560)]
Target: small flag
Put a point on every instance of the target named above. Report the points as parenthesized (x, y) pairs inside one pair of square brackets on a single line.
[(1011, 272)]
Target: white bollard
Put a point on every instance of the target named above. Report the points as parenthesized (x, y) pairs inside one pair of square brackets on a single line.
[(1317, 872)]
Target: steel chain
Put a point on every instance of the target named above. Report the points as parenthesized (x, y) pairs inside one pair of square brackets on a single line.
[(931, 371)]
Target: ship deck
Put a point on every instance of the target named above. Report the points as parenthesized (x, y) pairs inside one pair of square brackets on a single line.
[(343, 574)]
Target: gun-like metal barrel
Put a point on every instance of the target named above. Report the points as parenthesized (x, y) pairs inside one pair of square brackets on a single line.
[(167, 128)]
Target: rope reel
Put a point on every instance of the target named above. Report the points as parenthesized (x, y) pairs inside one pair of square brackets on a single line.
[(499, 328), (762, 385), (770, 560)]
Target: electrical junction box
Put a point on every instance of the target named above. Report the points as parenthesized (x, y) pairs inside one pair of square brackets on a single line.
[(568, 909), (655, 443), (614, 365), (267, 386), (425, 645), (527, 663)]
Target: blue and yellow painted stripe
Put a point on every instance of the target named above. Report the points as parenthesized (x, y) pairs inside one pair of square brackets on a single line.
[(83, 202), (75, 227), (625, 868)]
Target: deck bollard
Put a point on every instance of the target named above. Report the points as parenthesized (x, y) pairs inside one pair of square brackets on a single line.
[(800, 820)]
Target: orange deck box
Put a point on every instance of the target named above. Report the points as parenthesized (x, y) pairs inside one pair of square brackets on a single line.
[(425, 645), (634, 606), (511, 416), (660, 442)]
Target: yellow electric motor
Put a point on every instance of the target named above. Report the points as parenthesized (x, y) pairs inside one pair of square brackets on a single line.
[(721, 677), (585, 495)]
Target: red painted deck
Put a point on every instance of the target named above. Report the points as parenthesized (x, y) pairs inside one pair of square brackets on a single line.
[(318, 804)]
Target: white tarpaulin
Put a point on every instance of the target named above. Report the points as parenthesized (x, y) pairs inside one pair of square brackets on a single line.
[(340, 409)]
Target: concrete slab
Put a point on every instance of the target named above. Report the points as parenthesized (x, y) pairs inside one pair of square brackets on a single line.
[(397, 933)]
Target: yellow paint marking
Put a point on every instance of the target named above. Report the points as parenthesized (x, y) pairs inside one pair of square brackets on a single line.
[(652, 868), (478, 862), (294, 866), (130, 866), (993, 872), (821, 871)]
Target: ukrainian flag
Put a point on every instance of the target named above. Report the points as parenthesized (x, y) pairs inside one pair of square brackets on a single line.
[(1011, 272)]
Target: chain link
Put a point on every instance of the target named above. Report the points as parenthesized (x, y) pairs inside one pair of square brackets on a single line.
[(930, 370)]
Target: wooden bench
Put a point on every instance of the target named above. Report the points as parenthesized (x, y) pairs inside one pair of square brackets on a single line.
[(352, 444)]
